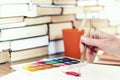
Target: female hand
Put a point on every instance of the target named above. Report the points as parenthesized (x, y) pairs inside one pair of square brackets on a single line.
[(100, 40)]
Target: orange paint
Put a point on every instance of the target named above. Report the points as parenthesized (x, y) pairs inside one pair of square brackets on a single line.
[(71, 38)]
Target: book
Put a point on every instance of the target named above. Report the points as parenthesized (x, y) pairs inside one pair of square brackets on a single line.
[(110, 30), (55, 6), (4, 57), (23, 32), (72, 10), (5, 45), (100, 23), (29, 53), (29, 43), (65, 2), (108, 62), (12, 25), (11, 20), (55, 29), (45, 11), (77, 23), (108, 59), (32, 10), (62, 18), (37, 20), (56, 47), (114, 20), (93, 8), (14, 1), (91, 14), (106, 2), (14, 10), (41, 1), (87, 2)]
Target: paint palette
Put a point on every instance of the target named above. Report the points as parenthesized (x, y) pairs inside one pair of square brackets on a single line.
[(49, 63)]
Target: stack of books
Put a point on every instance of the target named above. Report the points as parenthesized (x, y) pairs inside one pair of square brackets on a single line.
[(23, 34), (32, 28), (108, 59)]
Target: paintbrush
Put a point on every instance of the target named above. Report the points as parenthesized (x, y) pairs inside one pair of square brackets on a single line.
[(83, 53)]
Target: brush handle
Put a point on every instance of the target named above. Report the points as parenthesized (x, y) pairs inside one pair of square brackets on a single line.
[(83, 54)]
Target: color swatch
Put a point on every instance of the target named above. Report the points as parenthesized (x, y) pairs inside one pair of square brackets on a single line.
[(49, 63)]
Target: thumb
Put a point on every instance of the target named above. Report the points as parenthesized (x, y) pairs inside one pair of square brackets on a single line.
[(90, 41)]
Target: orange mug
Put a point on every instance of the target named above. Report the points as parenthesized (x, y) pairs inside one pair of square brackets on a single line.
[(71, 39)]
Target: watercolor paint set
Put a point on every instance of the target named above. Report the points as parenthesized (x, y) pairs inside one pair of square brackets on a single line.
[(49, 63)]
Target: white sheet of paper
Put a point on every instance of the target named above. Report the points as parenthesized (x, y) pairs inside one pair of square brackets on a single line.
[(17, 75), (100, 72), (88, 72)]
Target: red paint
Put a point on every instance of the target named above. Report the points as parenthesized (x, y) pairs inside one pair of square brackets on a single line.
[(72, 73)]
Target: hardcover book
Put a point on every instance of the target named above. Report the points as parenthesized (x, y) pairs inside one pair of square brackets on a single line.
[(65, 2), (23, 32), (29, 43), (45, 11), (29, 53), (37, 20), (62, 18), (14, 10), (55, 29)]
